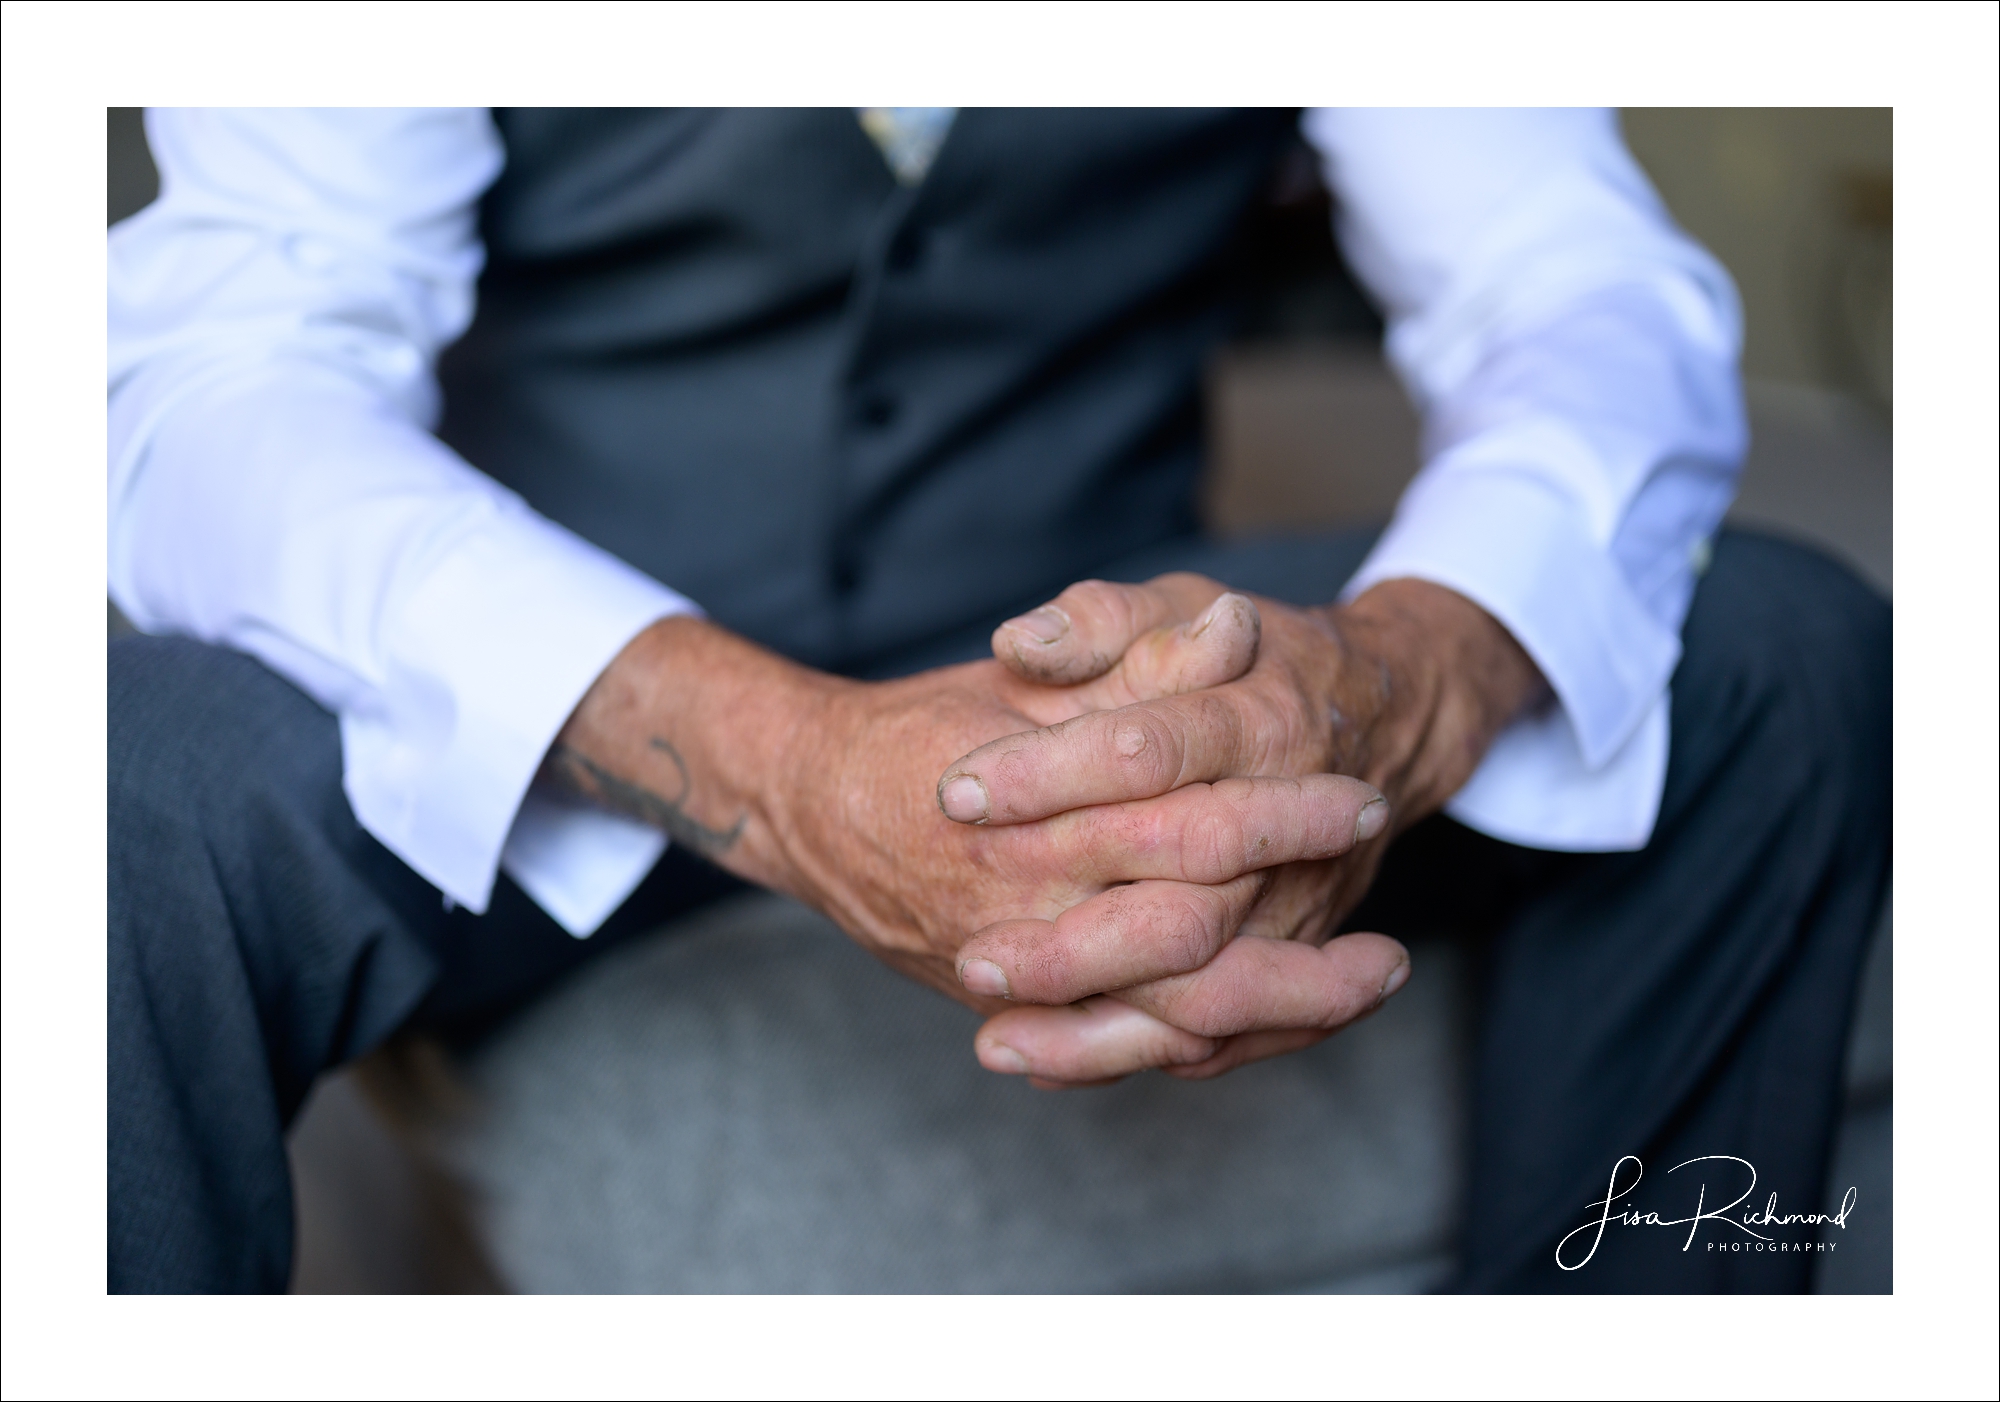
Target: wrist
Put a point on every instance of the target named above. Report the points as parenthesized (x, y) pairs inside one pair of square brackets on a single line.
[(688, 729), (1445, 678)]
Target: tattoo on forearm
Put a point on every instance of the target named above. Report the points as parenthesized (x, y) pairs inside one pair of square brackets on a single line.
[(669, 814)]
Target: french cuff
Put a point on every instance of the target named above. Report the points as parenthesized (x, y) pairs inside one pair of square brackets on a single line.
[(1585, 775), (491, 654), (1534, 790), (576, 861)]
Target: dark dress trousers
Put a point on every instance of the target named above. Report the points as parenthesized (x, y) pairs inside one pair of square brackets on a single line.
[(861, 423)]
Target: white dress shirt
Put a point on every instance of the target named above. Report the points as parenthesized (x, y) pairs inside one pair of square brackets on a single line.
[(274, 487)]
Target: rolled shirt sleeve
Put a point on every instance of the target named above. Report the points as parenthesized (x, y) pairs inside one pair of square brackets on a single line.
[(1573, 356), (274, 486)]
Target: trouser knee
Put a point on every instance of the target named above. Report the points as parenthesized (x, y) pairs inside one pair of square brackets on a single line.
[(1785, 687), (236, 869)]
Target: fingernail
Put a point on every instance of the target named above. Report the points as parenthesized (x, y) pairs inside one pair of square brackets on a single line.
[(1398, 976), (1045, 624), (1207, 617), (1214, 611), (964, 799), (1374, 817), (984, 977), (998, 1056)]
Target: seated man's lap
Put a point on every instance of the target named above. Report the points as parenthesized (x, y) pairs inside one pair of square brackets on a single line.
[(208, 741), (244, 894)]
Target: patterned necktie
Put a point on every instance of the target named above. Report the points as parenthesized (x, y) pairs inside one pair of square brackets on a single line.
[(909, 136)]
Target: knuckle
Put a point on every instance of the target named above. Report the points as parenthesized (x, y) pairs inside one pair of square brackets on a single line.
[(1116, 842), (1211, 1002), (1164, 1046), (1042, 961), (1326, 818), (1047, 971), (1187, 925), (1146, 749), (1213, 845), (1219, 728), (1336, 1001), (1217, 1011), (1187, 1048), (1193, 592), (1086, 591), (1099, 603)]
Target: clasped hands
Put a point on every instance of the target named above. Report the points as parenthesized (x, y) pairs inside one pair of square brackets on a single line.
[(1156, 803)]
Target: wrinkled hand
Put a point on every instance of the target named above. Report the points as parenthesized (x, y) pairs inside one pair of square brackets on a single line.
[(823, 788), (1405, 688)]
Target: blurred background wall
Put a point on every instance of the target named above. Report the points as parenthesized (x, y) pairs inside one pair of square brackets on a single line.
[(1797, 203), (1307, 428)]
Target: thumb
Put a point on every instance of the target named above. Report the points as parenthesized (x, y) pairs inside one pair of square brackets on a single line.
[(1133, 642)]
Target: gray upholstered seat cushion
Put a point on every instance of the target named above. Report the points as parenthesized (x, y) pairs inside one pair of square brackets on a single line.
[(747, 1102)]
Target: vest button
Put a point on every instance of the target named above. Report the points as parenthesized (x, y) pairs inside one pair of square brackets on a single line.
[(878, 411), (845, 576), (906, 250)]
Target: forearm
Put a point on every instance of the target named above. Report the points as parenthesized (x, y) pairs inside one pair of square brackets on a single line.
[(695, 730)]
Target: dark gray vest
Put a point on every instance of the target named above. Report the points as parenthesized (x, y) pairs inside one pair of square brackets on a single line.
[(844, 415)]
